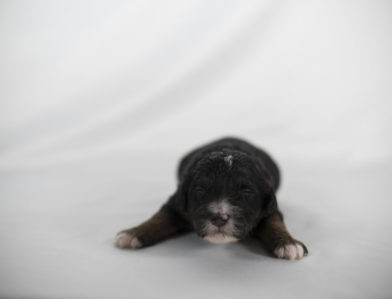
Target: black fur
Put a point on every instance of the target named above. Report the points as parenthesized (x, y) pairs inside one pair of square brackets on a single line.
[(226, 192), (253, 194)]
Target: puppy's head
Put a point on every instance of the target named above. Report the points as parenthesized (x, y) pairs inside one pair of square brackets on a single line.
[(225, 195)]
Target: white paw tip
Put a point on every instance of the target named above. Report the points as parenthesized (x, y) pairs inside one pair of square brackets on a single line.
[(290, 251), (124, 240)]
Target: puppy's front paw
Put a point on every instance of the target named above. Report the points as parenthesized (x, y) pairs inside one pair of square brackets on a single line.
[(126, 239), (291, 250)]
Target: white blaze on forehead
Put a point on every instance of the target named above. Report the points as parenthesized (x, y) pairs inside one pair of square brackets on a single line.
[(229, 160), (220, 207)]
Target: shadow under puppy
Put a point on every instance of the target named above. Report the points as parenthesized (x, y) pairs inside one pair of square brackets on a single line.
[(226, 192)]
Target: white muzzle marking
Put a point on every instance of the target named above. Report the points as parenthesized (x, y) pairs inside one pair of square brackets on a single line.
[(225, 233)]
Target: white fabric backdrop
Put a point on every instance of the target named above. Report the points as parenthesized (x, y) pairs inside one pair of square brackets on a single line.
[(98, 100)]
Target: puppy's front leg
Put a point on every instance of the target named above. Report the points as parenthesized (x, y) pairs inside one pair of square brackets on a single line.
[(164, 224), (273, 233)]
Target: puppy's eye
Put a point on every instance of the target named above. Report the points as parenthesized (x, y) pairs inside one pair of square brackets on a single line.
[(200, 191), (245, 189)]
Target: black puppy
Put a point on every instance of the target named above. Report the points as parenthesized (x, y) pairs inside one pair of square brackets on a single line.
[(226, 192)]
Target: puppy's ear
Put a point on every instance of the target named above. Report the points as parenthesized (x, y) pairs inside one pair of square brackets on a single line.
[(182, 194), (270, 204)]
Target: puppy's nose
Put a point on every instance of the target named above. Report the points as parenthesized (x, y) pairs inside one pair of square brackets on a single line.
[(219, 219)]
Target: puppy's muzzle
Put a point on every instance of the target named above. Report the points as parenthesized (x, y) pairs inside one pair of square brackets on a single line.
[(219, 219)]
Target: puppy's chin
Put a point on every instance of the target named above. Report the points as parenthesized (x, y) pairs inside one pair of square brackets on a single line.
[(219, 235), (220, 238)]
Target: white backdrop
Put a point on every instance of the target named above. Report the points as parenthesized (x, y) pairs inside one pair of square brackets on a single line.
[(99, 99)]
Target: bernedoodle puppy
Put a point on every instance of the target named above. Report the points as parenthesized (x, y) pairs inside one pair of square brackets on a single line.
[(226, 192)]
